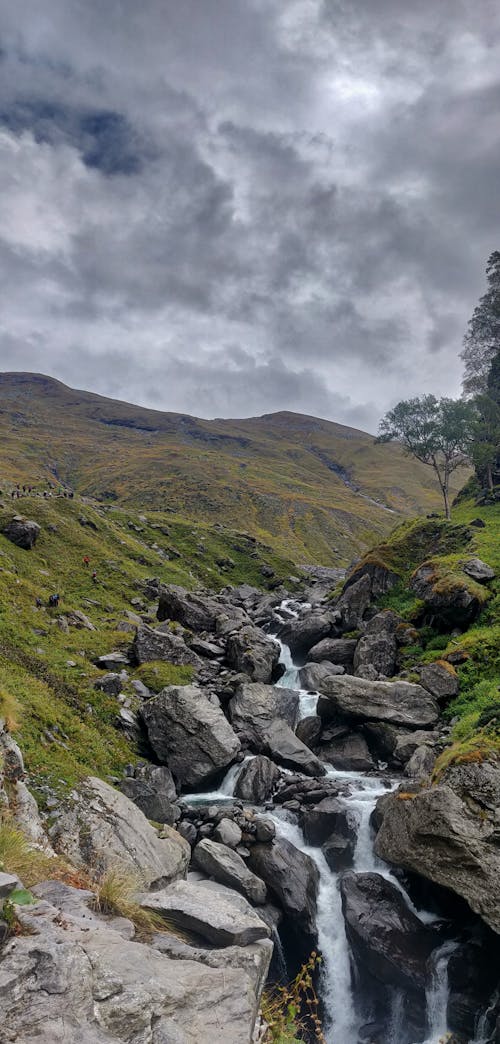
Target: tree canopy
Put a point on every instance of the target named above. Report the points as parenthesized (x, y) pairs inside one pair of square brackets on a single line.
[(482, 340)]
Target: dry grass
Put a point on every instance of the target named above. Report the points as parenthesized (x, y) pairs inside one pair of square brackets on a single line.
[(9, 710), (18, 856), (116, 893), (291, 1012)]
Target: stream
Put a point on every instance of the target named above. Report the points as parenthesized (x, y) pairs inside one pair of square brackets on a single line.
[(345, 1011)]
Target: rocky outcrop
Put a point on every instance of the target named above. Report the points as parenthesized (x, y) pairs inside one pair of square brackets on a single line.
[(478, 570), (224, 865), (440, 679), (328, 817), (213, 916), (281, 743), (197, 613), (292, 877), (378, 650), (300, 635), (450, 834), (354, 602), (152, 789), (250, 651), (358, 700), (381, 578), (101, 827), (22, 531), (451, 599), (255, 706), (189, 734), (150, 645), (257, 780), (339, 651)]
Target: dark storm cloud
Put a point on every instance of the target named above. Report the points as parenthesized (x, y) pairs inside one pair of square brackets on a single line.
[(234, 206)]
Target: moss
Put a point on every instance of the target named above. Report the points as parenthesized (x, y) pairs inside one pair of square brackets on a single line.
[(157, 674)]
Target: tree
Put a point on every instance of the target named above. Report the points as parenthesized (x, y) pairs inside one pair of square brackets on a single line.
[(435, 431), (482, 340)]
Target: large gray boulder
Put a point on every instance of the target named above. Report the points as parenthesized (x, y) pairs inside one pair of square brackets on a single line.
[(281, 743), (150, 645), (257, 780), (386, 937), (440, 679), (349, 753), (312, 674), (478, 570), (329, 816), (208, 914), (378, 650), (450, 834), (152, 789), (224, 865), (300, 635), (354, 602), (292, 877), (453, 600), (22, 531), (72, 976), (101, 828), (190, 734), (252, 652), (381, 578), (359, 700), (339, 651), (255, 705), (196, 612)]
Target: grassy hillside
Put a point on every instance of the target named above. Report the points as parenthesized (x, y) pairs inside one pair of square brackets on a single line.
[(314, 490), (65, 727)]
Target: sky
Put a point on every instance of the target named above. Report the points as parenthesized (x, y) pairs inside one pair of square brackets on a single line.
[(233, 207)]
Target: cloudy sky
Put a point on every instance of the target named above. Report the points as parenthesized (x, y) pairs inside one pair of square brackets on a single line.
[(230, 207)]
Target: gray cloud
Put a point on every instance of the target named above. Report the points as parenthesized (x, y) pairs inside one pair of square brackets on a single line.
[(235, 206)]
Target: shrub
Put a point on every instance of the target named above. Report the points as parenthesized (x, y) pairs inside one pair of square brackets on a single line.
[(292, 1011)]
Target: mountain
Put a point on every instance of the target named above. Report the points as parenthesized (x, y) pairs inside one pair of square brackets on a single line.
[(314, 490)]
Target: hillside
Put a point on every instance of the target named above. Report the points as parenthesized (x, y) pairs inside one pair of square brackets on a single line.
[(315, 490)]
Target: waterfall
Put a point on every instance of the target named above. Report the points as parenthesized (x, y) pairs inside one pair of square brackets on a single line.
[(437, 994)]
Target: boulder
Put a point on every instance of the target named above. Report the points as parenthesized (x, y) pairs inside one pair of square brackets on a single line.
[(22, 532), (349, 753), (386, 937), (281, 743), (407, 743), (339, 852), (354, 602), (189, 733), (101, 827), (451, 599), (339, 651), (386, 621), (255, 705), (265, 829), (257, 780), (208, 914), (292, 877), (228, 833), (449, 833), (312, 674), (79, 620), (152, 789), (193, 611), (330, 816), (308, 730), (110, 661), (111, 684), (440, 679), (478, 570), (381, 578), (421, 763), (252, 652), (150, 645), (300, 635), (224, 865), (378, 650), (360, 700)]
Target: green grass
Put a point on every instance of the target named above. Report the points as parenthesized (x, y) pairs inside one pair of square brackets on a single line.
[(156, 675)]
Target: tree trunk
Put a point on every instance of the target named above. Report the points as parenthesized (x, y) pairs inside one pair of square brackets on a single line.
[(489, 475), (446, 499)]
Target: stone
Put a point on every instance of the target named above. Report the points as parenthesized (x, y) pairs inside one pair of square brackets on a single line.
[(228, 833), (141, 690), (189, 734), (448, 833), (265, 830), (312, 674), (101, 827), (300, 635), (339, 651), (220, 862), (252, 652), (386, 621), (210, 915), (257, 780), (354, 602), (478, 570), (421, 763), (22, 532), (150, 645), (440, 679), (209, 650), (8, 882), (281, 743), (196, 612), (450, 599), (308, 730), (111, 684), (368, 671), (152, 789), (255, 706), (292, 877), (377, 650), (111, 660), (380, 577), (407, 743), (386, 937), (348, 753), (339, 852), (77, 619), (328, 817), (359, 700)]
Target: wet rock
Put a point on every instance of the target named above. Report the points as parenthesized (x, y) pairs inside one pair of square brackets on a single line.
[(150, 645), (308, 731), (472, 979), (257, 780), (292, 877), (339, 852), (359, 700), (250, 651), (189, 734), (328, 817), (440, 679), (225, 865), (152, 789), (22, 532), (312, 674), (212, 916), (300, 635), (255, 705), (282, 745), (339, 651), (265, 830), (386, 937), (449, 834), (377, 650), (228, 833), (349, 753)]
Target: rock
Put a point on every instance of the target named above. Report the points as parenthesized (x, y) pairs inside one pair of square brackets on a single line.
[(265, 830), (380, 577), (377, 650), (8, 882), (300, 635), (448, 833), (255, 705), (228, 833), (74, 977), (440, 679), (406, 743), (141, 690), (257, 780), (292, 877), (386, 937), (189, 734), (250, 651), (111, 684), (22, 532), (349, 753), (78, 619), (421, 763), (150, 645), (193, 611), (386, 621), (101, 827), (231, 619), (472, 979), (284, 747), (113, 659), (328, 817), (478, 570), (152, 789), (339, 852), (209, 650), (450, 598), (11, 758), (359, 700), (311, 676), (208, 914), (226, 866), (339, 651), (354, 602), (308, 730)]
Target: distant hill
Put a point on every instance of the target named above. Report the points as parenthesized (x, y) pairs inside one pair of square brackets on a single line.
[(314, 490)]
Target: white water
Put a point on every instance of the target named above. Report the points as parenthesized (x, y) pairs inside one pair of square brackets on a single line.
[(437, 994)]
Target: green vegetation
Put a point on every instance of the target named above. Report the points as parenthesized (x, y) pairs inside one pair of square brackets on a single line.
[(17, 856), (291, 1012), (116, 894), (157, 674)]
